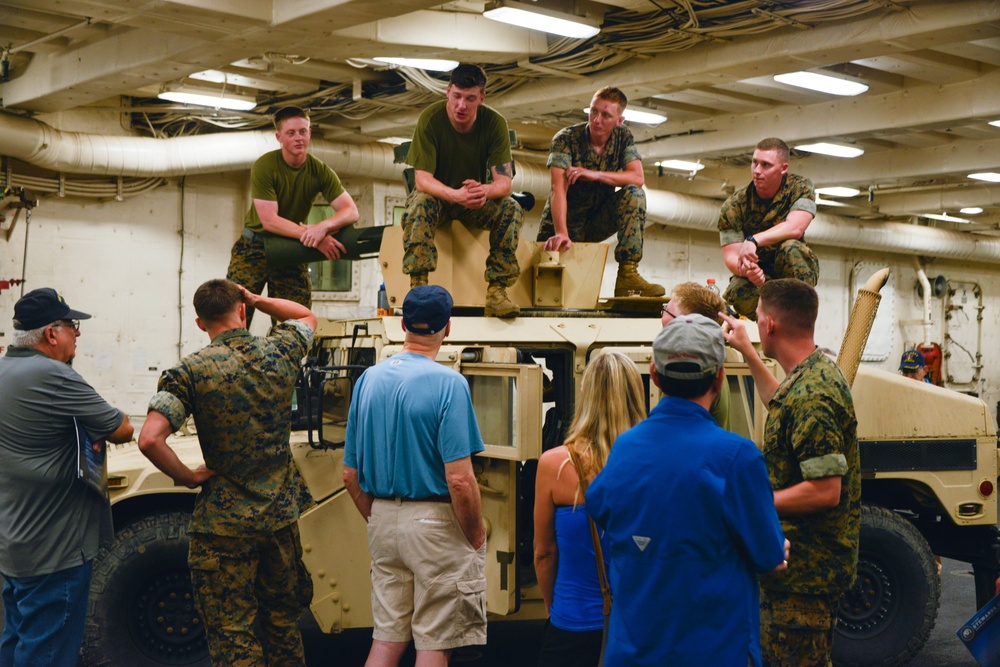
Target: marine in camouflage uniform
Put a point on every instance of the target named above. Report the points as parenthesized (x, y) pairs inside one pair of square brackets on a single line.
[(245, 554), (745, 214), (595, 211), (451, 158), (811, 433)]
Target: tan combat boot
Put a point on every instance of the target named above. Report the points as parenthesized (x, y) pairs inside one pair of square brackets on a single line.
[(630, 283), (417, 279), (497, 303)]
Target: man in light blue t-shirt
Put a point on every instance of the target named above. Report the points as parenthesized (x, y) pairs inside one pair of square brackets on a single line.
[(411, 434)]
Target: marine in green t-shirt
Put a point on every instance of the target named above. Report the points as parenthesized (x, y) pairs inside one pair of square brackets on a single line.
[(463, 168), (284, 184), (762, 228)]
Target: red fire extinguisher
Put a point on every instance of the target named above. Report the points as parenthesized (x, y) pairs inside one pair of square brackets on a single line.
[(932, 362)]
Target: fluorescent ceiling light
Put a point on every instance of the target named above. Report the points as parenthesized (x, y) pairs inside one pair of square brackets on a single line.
[(971, 210), (681, 165), (639, 116), (943, 216), (990, 176), (829, 202), (838, 191), (395, 141), (836, 150), (821, 83), (527, 15), (430, 64), (207, 98), (995, 123)]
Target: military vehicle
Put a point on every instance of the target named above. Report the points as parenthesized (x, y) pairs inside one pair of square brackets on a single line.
[(929, 459)]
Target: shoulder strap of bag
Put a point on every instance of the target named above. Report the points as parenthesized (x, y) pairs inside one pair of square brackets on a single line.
[(602, 575)]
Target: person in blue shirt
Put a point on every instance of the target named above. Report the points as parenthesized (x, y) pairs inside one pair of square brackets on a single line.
[(612, 400), (411, 434), (689, 517)]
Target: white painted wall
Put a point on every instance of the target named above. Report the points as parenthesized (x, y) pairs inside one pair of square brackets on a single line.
[(130, 264)]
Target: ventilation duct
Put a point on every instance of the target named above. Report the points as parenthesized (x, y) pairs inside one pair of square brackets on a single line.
[(75, 152)]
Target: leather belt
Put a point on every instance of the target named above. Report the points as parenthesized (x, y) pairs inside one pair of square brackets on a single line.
[(428, 499), (251, 235)]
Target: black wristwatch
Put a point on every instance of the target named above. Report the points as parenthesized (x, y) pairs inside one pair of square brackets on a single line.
[(752, 240)]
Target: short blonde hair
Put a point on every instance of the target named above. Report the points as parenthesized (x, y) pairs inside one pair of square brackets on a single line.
[(692, 298)]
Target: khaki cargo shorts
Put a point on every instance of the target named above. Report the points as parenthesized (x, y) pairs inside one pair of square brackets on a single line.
[(428, 582)]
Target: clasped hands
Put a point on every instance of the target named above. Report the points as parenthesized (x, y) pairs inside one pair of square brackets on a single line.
[(747, 264), (318, 236)]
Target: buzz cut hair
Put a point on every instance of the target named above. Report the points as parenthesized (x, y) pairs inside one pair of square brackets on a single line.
[(791, 302), (467, 75), (215, 299), (614, 95), (774, 144), (284, 113)]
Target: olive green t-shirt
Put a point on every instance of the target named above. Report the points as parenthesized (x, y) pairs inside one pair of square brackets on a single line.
[(294, 188), (439, 149)]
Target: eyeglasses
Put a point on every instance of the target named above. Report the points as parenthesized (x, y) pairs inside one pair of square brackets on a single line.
[(667, 312), (73, 324)]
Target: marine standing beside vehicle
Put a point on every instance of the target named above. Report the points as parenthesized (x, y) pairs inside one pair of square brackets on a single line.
[(245, 556), (811, 449)]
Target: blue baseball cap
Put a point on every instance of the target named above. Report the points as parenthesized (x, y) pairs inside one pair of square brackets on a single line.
[(427, 309), (41, 307), (912, 360)]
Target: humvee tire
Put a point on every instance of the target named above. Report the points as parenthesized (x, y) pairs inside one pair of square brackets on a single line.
[(890, 611), (141, 610)]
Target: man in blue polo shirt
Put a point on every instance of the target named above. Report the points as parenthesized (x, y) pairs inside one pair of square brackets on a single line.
[(411, 434)]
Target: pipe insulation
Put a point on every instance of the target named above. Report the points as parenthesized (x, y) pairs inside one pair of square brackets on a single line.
[(75, 152)]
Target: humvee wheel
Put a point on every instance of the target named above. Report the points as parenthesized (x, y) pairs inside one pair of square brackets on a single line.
[(141, 611), (888, 614)]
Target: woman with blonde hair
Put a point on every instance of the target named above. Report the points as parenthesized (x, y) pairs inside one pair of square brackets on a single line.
[(611, 401)]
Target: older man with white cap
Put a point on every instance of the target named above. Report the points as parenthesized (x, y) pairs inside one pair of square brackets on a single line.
[(51, 522), (689, 514)]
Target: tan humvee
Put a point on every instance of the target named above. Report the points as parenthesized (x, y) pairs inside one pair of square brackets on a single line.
[(929, 460)]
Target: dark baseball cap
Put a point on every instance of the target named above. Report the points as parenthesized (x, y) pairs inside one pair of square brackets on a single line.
[(41, 307), (427, 309), (912, 360), (689, 339)]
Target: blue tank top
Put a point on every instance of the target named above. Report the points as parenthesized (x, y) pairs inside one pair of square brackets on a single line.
[(577, 604)]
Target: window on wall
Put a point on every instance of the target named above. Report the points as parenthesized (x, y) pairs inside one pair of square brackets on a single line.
[(335, 275)]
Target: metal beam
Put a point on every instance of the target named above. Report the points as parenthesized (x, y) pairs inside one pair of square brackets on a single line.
[(924, 106)]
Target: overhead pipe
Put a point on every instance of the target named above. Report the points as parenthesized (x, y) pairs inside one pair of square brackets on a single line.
[(75, 152), (925, 285)]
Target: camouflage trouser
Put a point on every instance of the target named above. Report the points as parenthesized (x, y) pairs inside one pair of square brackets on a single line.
[(239, 579), (791, 259), (797, 630), (624, 212), (502, 217), (248, 267)]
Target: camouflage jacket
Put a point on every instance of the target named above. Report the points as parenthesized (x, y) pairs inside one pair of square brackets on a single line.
[(571, 148), (811, 432), (744, 213), (239, 389)]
